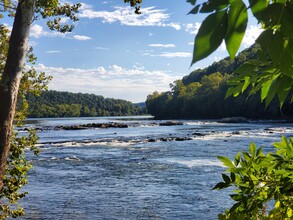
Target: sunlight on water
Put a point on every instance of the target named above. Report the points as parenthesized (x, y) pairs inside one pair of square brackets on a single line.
[(145, 171), (198, 163)]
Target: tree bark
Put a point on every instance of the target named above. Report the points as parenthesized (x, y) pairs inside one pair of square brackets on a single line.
[(9, 84)]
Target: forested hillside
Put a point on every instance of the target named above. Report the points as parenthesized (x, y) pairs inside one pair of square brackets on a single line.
[(66, 104), (201, 95)]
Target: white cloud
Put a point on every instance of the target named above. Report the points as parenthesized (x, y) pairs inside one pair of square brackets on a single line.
[(101, 48), (223, 46), (175, 54), (38, 31), (53, 51), (216, 58), (192, 28), (176, 26), (81, 37), (146, 52), (85, 6), (166, 54), (125, 16), (251, 34), (162, 45), (132, 84)]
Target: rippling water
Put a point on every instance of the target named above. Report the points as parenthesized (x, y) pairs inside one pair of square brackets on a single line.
[(117, 173)]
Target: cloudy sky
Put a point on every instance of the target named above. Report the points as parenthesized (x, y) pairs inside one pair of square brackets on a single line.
[(115, 53)]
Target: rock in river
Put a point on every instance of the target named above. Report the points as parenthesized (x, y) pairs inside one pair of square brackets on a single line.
[(233, 120)]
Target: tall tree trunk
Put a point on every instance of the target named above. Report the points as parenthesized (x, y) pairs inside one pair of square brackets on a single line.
[(9, 84)]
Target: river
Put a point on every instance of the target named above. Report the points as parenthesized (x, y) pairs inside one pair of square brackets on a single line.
[(144, 171)]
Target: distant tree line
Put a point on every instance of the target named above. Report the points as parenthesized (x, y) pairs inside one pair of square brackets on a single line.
[(201, 95), (67, 104)]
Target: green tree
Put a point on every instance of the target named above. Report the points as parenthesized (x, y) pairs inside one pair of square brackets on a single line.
[(15, 175), (73, 110), (85, 111), (93, 112), (24, 12), (259, 178)]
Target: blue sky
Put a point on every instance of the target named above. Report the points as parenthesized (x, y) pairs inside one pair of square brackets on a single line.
[(115, 53)]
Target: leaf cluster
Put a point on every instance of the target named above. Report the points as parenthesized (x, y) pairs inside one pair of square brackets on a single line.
[(272, 71), (227, 21), (15, 176), (52, 11), (263, 182), (134, 3), (55, 11)]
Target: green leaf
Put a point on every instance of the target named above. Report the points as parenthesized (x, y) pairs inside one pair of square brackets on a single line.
[(226, 161), (270, 16), (237, 90), (283, 89), (235, 206), (220, 185), (214, 5), (259, 152), (289, 212), (281, 1), (194, 10), (237, 23), (236, 197), (247, 68), (229, 92), (210, 35), (237, 159), (257, 6), (246, 83), (286, 21), (275, 89), (193, 2), (226, 178), (233, 177), (252, 149), (246, 156), (265, 89)]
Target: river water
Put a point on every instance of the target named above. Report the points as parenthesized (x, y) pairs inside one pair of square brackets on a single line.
[(145, 171)]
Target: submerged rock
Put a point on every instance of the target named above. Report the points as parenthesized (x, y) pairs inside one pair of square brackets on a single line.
[(92, 125), (233, 120), (199, 134), (151, 140), (180, 139), (170, 123)]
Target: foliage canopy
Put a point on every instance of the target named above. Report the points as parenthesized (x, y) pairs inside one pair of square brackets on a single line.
[(67, 104), (260, 179), (201, 95), (16, 173), (272, 72)]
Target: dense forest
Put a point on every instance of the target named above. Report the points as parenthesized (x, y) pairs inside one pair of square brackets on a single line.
[(201, 95), (67, 104)]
